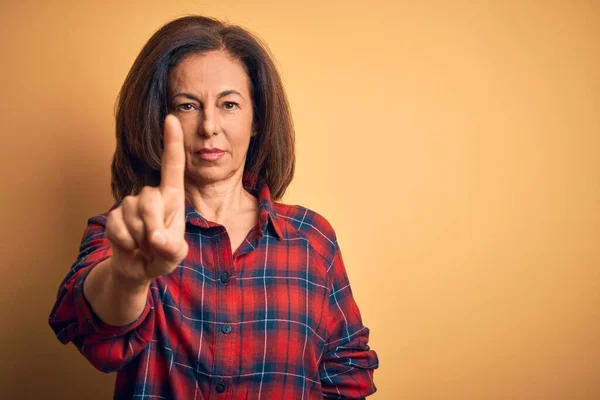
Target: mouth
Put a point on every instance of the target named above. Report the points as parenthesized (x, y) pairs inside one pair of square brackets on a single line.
[(210, 154)]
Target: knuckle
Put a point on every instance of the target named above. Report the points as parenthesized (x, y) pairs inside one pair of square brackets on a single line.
[(128, 200), (146, 191), (147, 206), (113, 220), (132, 222), (148, 202), (136, 226), (121, 235), (115, 228), (128, 204)]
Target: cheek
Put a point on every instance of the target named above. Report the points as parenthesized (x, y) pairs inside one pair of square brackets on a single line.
[(239, 133), (190, 133), (189, 124), (241, 141)]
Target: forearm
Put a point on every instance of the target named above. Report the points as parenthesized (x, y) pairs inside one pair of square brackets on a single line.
[(115, 300)]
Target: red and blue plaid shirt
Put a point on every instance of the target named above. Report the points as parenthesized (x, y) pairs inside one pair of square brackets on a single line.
[(274, 320)]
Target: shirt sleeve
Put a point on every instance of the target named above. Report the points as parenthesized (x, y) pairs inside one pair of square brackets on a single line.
[(107, 347), (346, 368)]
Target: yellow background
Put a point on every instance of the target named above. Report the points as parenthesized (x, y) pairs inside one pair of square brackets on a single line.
[(453, 145)]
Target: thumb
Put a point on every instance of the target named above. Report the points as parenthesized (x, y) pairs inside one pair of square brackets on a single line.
[(168, 247)]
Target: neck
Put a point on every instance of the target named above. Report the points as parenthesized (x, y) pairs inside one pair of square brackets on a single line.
[(218, 201)]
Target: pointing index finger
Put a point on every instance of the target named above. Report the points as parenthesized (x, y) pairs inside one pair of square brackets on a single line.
[(173, 157)]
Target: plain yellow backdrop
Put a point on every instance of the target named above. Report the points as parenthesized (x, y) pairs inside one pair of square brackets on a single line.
[(454, 146)]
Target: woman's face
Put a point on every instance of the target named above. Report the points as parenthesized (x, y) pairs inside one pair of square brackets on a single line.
[(210, 95)]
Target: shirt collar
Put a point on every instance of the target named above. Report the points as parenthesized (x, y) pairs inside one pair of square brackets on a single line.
[(267, 215)]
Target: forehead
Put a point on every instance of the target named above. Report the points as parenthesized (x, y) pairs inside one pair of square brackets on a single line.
[(213, 71)]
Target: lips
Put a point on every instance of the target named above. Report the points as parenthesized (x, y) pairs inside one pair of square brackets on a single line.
[(210, 154), (213, 150)]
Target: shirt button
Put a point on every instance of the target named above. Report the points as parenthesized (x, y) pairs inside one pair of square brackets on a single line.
[(226, 329), (220, 388), (225, 277)]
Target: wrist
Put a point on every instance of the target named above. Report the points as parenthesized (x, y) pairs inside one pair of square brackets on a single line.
[(126, 283)]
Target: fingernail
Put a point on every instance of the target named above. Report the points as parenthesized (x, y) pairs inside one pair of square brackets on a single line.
[(159, 237)]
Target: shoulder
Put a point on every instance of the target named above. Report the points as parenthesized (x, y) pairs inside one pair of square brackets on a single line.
[(299, 220)]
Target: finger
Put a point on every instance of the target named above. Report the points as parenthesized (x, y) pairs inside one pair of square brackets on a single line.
[(117, 233), (173, 157), (132, 220), (152, 212)]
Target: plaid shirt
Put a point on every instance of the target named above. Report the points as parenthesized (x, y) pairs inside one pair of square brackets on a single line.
[(274, 320)]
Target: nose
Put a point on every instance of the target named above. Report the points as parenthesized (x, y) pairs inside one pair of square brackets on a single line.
[(210, 124)]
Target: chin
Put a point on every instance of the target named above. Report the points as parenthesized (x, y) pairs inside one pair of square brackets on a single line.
[(210, 175)]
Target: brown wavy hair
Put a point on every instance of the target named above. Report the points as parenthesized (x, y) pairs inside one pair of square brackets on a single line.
[(142, 105)]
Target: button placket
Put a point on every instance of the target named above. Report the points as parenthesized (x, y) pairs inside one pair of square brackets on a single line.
[(227, 347)]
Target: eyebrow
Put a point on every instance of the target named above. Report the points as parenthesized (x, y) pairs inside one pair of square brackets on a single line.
[(222, 94)]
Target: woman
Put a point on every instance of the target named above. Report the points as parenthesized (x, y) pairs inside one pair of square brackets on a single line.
[(197, 284)]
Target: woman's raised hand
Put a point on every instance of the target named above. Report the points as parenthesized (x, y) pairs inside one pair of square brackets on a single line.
[(147, 231)]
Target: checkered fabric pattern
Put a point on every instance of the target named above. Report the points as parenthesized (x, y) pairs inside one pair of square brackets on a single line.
[(274, 320)]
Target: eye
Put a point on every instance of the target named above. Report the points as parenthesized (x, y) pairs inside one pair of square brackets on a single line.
[(230, 105), (186, 107)]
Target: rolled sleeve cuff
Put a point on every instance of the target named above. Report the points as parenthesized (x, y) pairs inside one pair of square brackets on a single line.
[(88, 321)]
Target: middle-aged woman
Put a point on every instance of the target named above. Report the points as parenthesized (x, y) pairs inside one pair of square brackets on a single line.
[(197, 283)]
